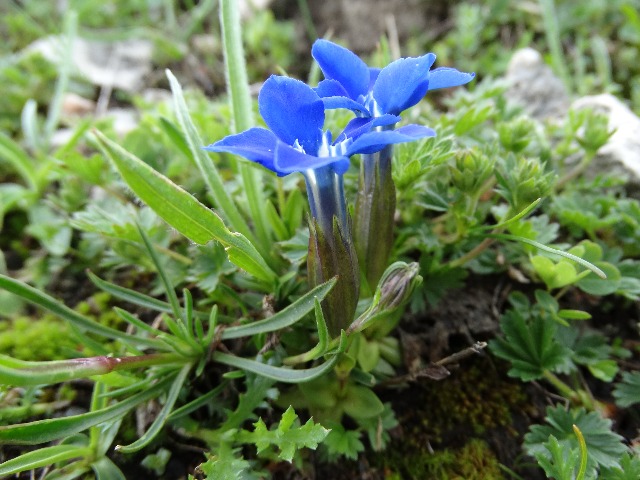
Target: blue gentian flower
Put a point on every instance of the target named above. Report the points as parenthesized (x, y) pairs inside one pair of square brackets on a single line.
[(371, 92), (296, 142)]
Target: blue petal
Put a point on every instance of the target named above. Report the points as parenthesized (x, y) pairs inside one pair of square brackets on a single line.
[(288, 160), (360, 126), (373, 76), (330, 88), (293, 111), (375, 141), (332, 103), (403, 83), (255, 144), (445, 77), (341, 64)]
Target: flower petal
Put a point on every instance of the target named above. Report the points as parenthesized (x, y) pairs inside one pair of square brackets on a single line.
[(359, 126), (332, 103), (444, 77), (373, 76), (256, 144), (341, 64), (403, 83), (288, 160), (375, 141), (293, 111), (330, 88)]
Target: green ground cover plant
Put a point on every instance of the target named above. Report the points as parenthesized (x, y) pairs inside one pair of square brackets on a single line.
[(243, 287)]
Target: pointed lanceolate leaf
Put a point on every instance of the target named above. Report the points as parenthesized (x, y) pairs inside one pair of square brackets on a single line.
[(182, 211), (284, 318), (42, 431)]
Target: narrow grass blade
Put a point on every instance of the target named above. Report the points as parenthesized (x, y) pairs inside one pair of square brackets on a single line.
[(546, 248), (162, 417), (42, 458), (42, 431), (284, 318), (49, 303)]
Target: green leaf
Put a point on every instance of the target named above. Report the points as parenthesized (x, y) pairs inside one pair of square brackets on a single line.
[(182, 211), (205, 164), (529, 346), (129, 295), (162, 417), (42, 431), (105, 469), (288, 437), (42, 458), (548, 249), (280, 374), (599, 286), (604, 447), (554, 275), (629, 469), (49, 303), (361, 402), (627, 392), (225, 464), (343, 443), (559, 461), (284, 318)]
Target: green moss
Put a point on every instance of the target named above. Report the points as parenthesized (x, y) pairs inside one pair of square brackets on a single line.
[(48, 337), (474, 461), (45, 338), (98, 308), (475, 400)]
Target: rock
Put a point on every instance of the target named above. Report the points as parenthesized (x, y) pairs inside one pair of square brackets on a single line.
[(124, 119), (73, 105), (534, 86), (247, 7), (621, 154), (122, 64)]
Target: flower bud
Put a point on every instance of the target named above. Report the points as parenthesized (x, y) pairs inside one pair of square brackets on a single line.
[(394, 290)]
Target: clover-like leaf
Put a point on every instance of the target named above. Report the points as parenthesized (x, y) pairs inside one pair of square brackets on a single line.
[(627, 392), (629, 469), (531, 346), (605, 448)]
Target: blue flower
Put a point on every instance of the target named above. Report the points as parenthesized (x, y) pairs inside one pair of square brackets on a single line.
[(371, 92), (295, 140)]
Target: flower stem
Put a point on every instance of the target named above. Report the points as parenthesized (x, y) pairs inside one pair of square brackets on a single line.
[(564, 389), (240, 98)]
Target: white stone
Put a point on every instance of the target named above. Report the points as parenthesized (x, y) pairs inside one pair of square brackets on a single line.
[(122, 64), (622, 151), (534, 86)]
